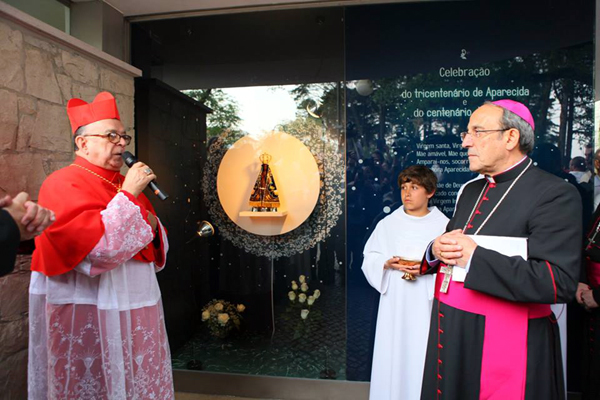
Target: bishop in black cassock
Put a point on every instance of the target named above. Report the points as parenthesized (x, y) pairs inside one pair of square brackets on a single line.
[(588, 295), (494, 336)]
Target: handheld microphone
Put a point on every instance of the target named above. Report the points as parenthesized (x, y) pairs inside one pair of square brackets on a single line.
[(130, 159)]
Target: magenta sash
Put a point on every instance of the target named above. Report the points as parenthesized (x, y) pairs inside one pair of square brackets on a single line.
[(593, 272), (504, 361)]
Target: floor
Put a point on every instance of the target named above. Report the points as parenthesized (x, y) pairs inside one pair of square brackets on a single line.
[(195, 396), (314, 348)]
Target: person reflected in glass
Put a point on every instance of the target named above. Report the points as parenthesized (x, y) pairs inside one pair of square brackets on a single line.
[(578, 168), (392, 254), (589, 156), (547, 156)]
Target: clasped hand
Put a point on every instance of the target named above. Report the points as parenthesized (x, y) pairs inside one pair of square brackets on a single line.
[(585, 296), (394, 263), (453, 248), (30, 217)]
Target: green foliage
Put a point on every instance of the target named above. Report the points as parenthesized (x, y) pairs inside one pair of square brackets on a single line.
[(322, 99), (560, 99), (302, 125), (224, 119)]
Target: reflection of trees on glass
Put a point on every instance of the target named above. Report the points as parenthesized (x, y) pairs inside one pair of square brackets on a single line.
[(561, 94), (417, 118), (224, 117), (321, 101), (320, 108), (302, 125), (570, 76), (556, 85)]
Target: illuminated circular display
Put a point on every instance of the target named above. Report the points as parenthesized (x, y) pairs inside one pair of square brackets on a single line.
[(294, 170)]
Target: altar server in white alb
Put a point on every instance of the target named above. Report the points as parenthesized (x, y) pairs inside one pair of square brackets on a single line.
[(391, 265)]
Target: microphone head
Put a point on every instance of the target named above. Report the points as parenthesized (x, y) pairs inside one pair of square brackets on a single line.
[(129, 158)]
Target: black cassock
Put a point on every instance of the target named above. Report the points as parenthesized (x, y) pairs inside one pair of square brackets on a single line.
[(9, 242), (546, 210), (591, 319)]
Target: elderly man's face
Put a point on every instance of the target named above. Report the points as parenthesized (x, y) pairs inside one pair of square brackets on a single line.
[(488, 152), (99, 150)]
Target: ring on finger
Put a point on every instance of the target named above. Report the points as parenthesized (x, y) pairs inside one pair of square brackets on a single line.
[(148, 171)]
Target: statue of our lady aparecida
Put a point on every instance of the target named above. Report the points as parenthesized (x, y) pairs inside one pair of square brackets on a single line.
[(264, 196)]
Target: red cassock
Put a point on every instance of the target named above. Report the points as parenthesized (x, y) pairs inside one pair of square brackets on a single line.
[(96, 318), (77, 196)]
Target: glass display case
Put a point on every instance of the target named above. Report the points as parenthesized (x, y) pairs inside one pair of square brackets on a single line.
[(362, 92)]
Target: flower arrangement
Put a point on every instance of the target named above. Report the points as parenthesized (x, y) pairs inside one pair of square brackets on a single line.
[(222, 316), (301, 301)]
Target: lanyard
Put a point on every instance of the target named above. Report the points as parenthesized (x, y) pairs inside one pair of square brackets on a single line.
[(501, 199)]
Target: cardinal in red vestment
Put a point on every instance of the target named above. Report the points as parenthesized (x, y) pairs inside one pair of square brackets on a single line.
[(96, 327)]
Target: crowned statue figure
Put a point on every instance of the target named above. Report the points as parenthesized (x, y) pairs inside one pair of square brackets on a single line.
[(264, 196)]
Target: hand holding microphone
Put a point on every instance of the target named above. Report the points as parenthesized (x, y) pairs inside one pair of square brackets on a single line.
[(139, 176)]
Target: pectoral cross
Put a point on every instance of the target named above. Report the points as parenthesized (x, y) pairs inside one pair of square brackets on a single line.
[(447, 271), (592, 240)]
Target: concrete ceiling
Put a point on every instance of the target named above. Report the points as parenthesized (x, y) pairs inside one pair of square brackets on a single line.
[(138, 9)]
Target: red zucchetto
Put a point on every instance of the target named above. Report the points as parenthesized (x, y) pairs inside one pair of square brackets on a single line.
[(82, 113)]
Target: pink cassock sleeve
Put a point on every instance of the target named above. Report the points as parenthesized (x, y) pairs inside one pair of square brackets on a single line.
[(126, 232)]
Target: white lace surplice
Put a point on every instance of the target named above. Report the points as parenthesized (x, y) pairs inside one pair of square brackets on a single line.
[(98, 331)]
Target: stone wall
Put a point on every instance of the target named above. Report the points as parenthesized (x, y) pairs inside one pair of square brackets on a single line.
[(37, 78)]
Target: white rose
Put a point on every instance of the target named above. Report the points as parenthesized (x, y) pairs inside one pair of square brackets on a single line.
[(311, 300), (294, 285), (304, 313), (223, 318), (317, 293), (304, 287), (302, 298), (219, 307), (302, 278), (205, 315), (292, 296)]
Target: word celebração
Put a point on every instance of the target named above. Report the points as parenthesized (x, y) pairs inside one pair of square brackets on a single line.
[(464, 72)]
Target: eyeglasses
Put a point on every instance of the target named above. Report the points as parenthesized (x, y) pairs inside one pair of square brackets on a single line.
[(115, 137), (477, 133)]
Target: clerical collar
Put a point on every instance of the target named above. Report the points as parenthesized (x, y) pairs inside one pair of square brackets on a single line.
[(107, 174), (509, 174), (520, 168)]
